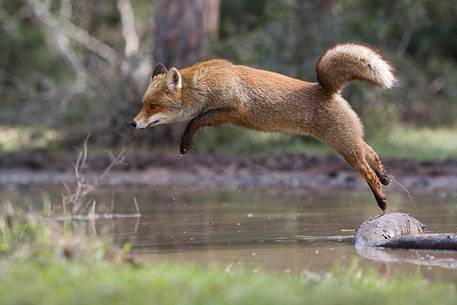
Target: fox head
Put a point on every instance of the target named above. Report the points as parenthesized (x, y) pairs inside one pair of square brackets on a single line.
[(162, 102)]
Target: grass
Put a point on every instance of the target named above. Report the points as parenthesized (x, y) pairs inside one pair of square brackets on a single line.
[(160, 283), (13, 139), (46, 263), (235, 141), (401, 142), (418, 143)]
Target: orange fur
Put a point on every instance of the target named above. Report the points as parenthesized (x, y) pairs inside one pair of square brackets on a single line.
[(217, 92)]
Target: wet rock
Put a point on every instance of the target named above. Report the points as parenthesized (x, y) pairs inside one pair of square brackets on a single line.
[(380, 228), (400, 230)]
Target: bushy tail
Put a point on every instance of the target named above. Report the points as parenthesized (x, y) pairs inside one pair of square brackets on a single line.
[(345, 62)]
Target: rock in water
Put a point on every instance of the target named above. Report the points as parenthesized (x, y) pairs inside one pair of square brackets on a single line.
[(385, 227), (400, 230)]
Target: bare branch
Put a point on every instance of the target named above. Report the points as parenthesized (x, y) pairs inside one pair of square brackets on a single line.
[(128, 28), (71, 30), (78, 196), (116, 160)]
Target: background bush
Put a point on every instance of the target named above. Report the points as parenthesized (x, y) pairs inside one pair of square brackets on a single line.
[(40, 87)]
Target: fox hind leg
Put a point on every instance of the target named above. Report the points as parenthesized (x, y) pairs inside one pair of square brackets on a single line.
[(344, 133), (358, 159), (375, 163), (362, 166)]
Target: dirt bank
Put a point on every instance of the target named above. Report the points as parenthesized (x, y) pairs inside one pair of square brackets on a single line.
[(291, 171)]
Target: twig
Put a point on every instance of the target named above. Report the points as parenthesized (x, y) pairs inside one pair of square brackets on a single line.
[(95, 216), (136, 205), (77, 197), (112, 203)]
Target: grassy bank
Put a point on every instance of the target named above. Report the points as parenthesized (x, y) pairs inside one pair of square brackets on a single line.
[(417, 144), (45, 263), (400, 142), (74, 283)]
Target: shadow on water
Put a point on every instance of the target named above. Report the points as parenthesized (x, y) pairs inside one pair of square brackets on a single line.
[(280, 230)]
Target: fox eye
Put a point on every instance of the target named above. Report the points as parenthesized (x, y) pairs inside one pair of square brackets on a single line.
[(152, 107)]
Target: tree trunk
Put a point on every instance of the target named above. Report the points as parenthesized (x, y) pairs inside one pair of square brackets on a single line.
[(314, 31), (184, 30)]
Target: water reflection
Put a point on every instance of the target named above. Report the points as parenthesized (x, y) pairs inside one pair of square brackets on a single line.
[(430, 258)]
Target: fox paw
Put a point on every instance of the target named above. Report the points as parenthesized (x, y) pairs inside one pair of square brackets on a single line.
[(384, 179), (382, 203), (185, 147)]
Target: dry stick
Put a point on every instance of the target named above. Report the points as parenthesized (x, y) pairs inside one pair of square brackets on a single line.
[(112, 203), (78, 196), (95, 216), (137, 225), (82, 189), (115, 160), (92, 210), (136, 205)]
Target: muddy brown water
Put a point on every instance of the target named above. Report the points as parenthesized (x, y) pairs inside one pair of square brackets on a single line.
[(275, 229)]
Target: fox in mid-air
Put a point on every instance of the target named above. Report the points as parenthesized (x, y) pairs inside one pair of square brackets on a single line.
[(216, 92)]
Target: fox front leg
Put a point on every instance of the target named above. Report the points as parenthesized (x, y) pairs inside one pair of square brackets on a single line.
[(211, 118)]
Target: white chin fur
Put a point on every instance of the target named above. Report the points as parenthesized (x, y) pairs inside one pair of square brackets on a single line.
[(153, 120), (141, 124)]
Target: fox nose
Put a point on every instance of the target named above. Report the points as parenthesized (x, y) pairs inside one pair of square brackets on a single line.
[(133, 123)]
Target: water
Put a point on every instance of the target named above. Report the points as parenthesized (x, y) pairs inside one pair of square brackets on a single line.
[(279, 230)]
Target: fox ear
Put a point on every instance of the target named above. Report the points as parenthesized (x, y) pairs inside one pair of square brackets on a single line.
[(174, 79), (159, 69)]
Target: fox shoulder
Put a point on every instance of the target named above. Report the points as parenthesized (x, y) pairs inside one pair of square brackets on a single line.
[(213, 71), (208, 65)]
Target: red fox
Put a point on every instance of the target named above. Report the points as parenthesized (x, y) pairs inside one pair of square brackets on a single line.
[(217, 92)]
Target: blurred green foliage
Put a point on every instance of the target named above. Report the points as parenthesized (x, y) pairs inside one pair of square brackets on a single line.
[(417, 36), (39, 88)]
